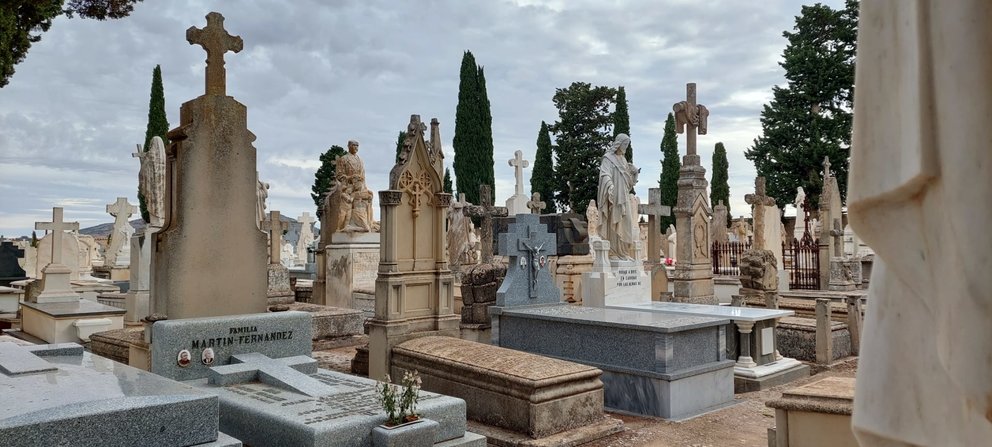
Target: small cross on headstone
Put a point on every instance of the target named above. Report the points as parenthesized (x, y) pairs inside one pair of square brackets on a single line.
[(519, 164), (655, 211), (688, 113), (57, 227), (290, 373), (275, 226), (837, 234), (535, 204), (486, 211), (215, 41)]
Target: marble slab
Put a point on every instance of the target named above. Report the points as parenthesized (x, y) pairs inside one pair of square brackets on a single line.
[(618, 317), (708, 310), (80, 308)]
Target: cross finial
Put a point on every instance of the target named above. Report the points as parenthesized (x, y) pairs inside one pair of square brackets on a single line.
[(826, 167), (56, 226), (275, 226), (519, 164), (215, 41), (694, 115), (759, 197), (121, 207), (535, 204)]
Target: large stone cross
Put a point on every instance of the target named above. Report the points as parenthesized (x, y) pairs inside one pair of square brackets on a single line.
[(655, 211), (519, 164), (57, 226), (215, 41), (837, 234), (485, 211), (826, 167), (121, 210), (306, 219), (292, 373), (529, 248), (688, 113), (275, 226), (759, 197), (535, 204)]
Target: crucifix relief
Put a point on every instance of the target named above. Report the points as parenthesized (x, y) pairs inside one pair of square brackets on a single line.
[(694, 115), (536, 260), (215, 41), (486, 211), (57, 227), (417, 188), (528, 244), (518, 163), (275, 226)]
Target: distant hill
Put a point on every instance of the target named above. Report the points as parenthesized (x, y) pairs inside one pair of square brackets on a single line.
[(103, 230)]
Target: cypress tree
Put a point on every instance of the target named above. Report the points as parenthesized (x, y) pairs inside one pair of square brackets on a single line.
[(158, 125), (447, 181), (485, 162), (473, 141), (720, 186), (582, 133), (670, 165), (325, 173), (542, 178), (621, 121), (399, 145)]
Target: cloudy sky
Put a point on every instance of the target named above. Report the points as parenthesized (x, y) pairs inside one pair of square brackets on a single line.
[(315, 73)]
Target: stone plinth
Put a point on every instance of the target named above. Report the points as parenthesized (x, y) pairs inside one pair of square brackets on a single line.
[(329, 322), (817, 414), (138, 295), (614, 281), (522, 392), (568, 275), (69, 321), (845, 274), (279, 290), (351, 262)]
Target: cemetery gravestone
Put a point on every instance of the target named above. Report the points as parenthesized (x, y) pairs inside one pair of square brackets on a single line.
[(10, 270), (517, 203), (279, 291), (119, 251)]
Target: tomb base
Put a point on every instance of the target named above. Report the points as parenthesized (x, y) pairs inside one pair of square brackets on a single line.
[(351, 263), (279, 291), (67, 322), (10, 298), (765, 376), (329, 322), (797, 339), (568, 275), (114, 273), (479, 333), (817, 414), (623, 283)]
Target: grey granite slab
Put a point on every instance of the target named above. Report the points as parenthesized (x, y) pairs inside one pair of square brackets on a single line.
[(529, 279), (707, 310), (276, 335), (621, 318), (79, 308), (15, 361), (82, 401)]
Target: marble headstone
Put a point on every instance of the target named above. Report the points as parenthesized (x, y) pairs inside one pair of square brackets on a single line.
[(528, 277)]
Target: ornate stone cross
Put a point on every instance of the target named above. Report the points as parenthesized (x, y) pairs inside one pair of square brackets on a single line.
[(486, 211), (535, 204), (519, 164), (57, 226), (215, 41), (759, 197), (694, 115), (837, 234), (121, 210), (655, 211), (275, 226)]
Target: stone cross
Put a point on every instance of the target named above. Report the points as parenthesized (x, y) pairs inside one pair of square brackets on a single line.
[(519, 164), (826, 167), (759, 197), (758, 202), (57, 226), (121, 210), (290, 373), (306, 219), (528, 249), (837, 234), (655, 211), (215, 41), (694, 115), (535, 204), (275, 226), (486, 211)]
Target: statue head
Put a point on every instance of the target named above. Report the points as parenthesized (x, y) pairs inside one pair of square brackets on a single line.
[(352, 147), (621, 143)]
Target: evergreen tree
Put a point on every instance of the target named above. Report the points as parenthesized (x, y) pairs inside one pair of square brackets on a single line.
[(621, 121), (447, 181), (473, 141), (542, 178), (34, 239), (720, 186), (325, 173), (583, 135), (670, 165), (158, 125), (810, 117), (399, 145)]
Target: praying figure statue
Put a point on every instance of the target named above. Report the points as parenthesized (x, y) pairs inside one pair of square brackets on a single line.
[(617, 209)]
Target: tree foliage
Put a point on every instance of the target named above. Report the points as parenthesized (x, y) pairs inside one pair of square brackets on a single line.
[(810, 117), (542, 178), (720, 186), (473, 141), (582, 133), (621, 121), (325, 173), (399, 145), (22, 22), (447, 181), (158, 125), (670, 165)]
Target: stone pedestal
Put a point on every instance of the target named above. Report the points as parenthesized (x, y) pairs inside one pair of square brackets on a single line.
[(814, 415), (845, 274), (279, 291), (568, 276), (613, 282), (351, 263), (136, 302), (694, 270), (69, 321), (56, 286)]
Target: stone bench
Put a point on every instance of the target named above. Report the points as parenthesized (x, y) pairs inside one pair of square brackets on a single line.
[(521, 392)]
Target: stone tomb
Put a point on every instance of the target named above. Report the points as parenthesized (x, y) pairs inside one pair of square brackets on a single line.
[(351, 263), (271, 391), (65, 396)]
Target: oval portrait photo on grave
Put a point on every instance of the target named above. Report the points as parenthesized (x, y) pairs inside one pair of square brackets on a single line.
[(183, 358), (207, 357)]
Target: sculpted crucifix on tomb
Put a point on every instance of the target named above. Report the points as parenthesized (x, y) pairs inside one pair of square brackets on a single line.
[(215, 41), (536, 263)]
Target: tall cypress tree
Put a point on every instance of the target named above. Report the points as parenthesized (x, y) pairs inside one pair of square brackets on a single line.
[(473, 141), (582, 134), (158, 125), (670, 165), (447, 181), (399, 145), (720, 186), (621, 121), (325, 173), (542, 178)]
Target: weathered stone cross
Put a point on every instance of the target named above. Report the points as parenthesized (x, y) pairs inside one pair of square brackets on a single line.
[(655, 211), (290, 373), (837, 234), (57, 226), (519, 164), (535, 204), (758, 202), (121, 210), (215, 41), (826, 167), (486, 211), (694, 115), (275, 226)]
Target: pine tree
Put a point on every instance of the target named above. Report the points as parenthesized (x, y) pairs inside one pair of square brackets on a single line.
[(447, 181), (399, 145), (621, 121), (325, 173), (670, 165), (158, 125), (810, 117), (473, 141), (542, 178), (583, 135), (720, 186)]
